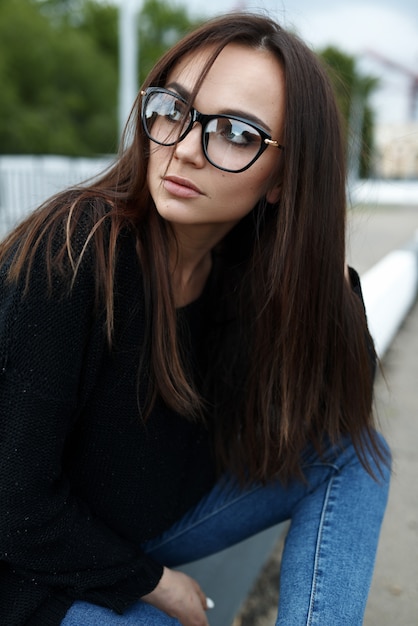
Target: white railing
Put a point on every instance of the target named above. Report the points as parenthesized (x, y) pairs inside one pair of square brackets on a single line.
[(389, 290), (27, 181), (375, 191)]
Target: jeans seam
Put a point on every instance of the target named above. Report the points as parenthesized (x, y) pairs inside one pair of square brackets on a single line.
[(318, 551), (204, 518)]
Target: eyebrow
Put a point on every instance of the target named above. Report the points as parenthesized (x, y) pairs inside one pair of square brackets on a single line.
[(184, 93)]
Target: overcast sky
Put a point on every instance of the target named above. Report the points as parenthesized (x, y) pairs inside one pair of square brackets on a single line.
[(388, 27)]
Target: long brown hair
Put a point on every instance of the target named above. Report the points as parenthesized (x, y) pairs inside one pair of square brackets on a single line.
[(298, 327)]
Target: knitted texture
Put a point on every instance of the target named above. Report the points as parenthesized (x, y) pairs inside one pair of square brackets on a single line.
[(83, 482)]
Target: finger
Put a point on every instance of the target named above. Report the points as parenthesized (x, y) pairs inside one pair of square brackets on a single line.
[(202, 598)]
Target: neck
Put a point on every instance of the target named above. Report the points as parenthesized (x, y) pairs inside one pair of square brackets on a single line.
[(189, 277), (191, 259)]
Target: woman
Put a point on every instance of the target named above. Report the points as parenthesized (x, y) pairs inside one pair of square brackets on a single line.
[(184, 363)]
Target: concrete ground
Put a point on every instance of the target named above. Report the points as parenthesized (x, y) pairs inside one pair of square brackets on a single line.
[(393, 600), (394, 594)]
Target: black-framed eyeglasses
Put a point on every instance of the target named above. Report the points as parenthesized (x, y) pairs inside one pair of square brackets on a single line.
[(230, 143)]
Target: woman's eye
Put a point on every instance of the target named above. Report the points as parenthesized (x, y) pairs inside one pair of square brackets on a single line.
[(176, 114), (242, 138), (238, 134), (177, 111)]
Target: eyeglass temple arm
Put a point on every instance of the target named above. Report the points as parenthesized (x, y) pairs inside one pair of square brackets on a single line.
[(273, 142)]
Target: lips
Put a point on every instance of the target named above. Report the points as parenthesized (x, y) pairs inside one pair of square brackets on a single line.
[(181, 187)]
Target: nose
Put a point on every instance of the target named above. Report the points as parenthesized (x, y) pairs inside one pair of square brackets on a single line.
[(190, 148)]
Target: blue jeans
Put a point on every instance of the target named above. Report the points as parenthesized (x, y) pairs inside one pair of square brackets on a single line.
[(329, 553)]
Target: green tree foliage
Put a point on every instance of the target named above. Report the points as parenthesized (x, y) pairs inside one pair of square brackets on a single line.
[(161, 24), (58, 85), (98, 21), (59, 73), (353, 92)]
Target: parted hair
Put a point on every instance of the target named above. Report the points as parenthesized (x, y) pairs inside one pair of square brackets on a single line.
[(297, 368)]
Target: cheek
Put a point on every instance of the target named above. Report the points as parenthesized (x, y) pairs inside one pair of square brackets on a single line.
[(256, 185), (157, 164), (252, 182), (238, 197), (159, 157)]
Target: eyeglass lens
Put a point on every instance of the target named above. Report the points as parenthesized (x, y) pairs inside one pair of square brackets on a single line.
[(229, 143)]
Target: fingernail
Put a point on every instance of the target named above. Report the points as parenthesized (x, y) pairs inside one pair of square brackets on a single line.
[(210, 603)]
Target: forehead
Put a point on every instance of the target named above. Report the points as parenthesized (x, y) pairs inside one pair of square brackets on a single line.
[(241, 78)]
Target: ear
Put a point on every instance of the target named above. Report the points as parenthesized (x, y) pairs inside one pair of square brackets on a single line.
[(273, 195)]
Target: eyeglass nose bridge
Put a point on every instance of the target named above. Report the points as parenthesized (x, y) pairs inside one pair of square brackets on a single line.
[(200, 118)]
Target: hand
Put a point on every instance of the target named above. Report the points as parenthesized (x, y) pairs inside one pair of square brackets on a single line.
[(179, 596)]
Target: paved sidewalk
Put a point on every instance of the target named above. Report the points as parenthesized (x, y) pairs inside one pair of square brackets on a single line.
[(373, 232), (394, 595)]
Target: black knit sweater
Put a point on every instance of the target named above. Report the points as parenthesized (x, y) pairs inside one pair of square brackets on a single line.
[(82, 481)]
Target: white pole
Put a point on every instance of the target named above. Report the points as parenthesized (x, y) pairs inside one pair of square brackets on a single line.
[(128, 59)]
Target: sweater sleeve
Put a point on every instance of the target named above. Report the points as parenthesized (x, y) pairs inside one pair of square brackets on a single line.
[(355, 283), (356, 288), (48, 537)]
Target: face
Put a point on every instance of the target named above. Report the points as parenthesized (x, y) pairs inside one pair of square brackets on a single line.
[(186, 188)]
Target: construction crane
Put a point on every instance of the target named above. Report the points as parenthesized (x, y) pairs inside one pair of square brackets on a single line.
[(413, 77)]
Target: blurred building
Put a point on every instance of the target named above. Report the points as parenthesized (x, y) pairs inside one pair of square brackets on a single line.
[(396, 151)]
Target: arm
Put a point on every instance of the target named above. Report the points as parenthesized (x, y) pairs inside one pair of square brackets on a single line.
[(47, 536)]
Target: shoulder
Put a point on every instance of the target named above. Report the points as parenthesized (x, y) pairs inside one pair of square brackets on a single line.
[(354, 282)]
